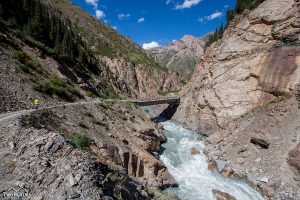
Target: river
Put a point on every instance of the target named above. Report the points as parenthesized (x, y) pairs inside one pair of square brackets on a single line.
[(195, 181)]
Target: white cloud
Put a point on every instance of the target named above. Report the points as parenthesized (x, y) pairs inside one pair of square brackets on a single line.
[(122, 16), (187, 4), (140, 20), (168, 2), (226, 6), (99, 14), (150, 45), (114, 27), (92, 2), (214, 15)]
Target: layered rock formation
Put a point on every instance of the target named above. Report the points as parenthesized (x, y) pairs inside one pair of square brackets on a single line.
[(140, 81), (182, 55), (122, 160), (109, 63), (255, 63), (247, 85)]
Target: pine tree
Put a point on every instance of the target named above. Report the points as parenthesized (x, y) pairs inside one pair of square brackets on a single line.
[(222, 30)]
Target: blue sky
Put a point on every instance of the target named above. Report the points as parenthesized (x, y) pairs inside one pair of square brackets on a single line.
[(158, 22)]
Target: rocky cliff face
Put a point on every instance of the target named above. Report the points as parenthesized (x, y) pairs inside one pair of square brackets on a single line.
[(182, 55), (255, 63), (247, 85), (140, 81), (130, 70), (94, 59)]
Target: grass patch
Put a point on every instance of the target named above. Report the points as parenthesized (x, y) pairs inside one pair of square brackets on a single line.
[(54, 86), (186, 79), (167, 93), (113, 176), (91, 94), (88, 114), (8, 42), (164, 94), (81, 141), (28, 65), (111, 94)]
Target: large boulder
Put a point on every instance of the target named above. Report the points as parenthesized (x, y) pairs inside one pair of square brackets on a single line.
[(219, 195)]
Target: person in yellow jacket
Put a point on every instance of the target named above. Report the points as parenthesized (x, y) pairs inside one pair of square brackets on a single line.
[(36, 103)]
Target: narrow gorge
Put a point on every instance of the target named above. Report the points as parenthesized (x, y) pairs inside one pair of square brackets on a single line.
[(71, 126)]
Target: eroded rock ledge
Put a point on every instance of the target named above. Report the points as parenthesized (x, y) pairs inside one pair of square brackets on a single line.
[(37, 152)]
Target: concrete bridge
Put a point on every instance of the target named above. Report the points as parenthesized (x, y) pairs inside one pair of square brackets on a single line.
[(156, 101)]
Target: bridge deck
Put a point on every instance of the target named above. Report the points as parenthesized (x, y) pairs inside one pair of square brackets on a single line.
[(156, 101)]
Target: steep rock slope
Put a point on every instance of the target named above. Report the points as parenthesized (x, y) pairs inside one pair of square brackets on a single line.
[(121, 160), (255, 63), (55, 43), (182, 55), (130, 70), (247, 85)]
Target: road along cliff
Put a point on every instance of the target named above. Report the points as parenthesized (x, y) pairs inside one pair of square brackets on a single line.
[(55, 51)]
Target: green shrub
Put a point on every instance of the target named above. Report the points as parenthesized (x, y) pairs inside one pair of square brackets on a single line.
[(147, 110), (242, 5), (113, 176), (218, 34), (88, 114), (57, 87), (107, 91), (91, 94), (164, 93), (8, 42), (111, 94), (28, 65), (81, 141)]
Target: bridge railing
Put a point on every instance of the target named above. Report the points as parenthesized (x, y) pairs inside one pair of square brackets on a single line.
[(156, 98)]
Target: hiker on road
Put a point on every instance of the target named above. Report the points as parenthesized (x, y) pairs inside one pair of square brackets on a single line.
[(36, 103)]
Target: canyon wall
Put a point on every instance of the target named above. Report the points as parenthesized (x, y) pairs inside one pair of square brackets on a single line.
[(255, 63), (246, 86)]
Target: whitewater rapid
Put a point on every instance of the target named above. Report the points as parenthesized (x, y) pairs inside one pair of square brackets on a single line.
[(190, 171)]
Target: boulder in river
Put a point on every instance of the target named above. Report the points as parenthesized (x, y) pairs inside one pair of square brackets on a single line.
[(211, 165), (219, 195), (227, 171), (194, 151)]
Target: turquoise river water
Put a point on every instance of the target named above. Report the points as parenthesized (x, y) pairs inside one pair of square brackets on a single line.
[(190, 171)]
